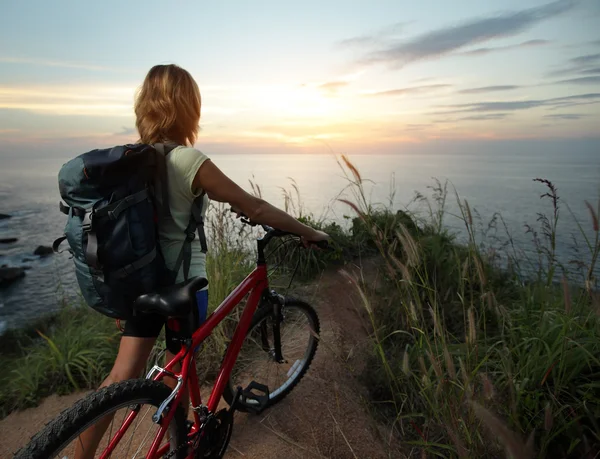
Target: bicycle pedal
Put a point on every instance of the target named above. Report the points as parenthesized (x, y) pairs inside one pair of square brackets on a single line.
[(255, 402)]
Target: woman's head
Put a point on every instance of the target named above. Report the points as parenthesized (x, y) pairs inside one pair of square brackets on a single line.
[(167, 106)]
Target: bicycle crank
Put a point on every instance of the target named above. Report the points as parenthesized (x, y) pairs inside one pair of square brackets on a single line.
[(214, 436)]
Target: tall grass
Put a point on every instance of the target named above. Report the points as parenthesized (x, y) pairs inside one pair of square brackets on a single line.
[(73, 353), (471, 360)]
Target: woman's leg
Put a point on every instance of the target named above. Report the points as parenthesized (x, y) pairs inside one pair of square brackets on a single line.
[(130, 362)]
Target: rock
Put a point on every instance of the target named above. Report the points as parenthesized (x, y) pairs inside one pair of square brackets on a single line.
[(27, 260), (9, 275), (43, 251), (3, 216), (26, 268), (8, 240)]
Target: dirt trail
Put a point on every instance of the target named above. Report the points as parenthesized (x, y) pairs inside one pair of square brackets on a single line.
[(323, 417)]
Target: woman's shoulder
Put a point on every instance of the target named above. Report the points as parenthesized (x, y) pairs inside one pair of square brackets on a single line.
[(184, 150), (185, 157), (184, 162)]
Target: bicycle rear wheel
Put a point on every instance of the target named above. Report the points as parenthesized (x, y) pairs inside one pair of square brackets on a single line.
[(60, 437), (299, 331)]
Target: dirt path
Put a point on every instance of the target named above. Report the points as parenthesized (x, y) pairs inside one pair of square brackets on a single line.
[(323, 417)]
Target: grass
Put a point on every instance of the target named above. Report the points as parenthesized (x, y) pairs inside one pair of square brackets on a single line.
[(470, 357), (477, 350), (65, 357)]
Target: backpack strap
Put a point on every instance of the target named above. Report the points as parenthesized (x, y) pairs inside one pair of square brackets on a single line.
[(113, 211), (199, 220), (135, 266), (161, 181), (195, 225), (91, 250)]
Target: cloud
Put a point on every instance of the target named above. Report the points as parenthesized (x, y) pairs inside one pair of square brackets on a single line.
[(525, 44), (586, 59), (489, 89), (579, 64), (509, 106), (483, 117), (332, 87), (81, 100), (53, 63), (582, 80), (418, 127), (565, 116), (591, 71), (126, 131), (486, 117), (411, 90), (447, 40), (376, 37)]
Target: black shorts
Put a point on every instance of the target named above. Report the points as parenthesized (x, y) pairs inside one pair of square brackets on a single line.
[(150, 326)]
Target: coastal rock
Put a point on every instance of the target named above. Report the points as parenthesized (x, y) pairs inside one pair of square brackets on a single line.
[(3, 216), (9, 275), (8, 240), (43, 251)]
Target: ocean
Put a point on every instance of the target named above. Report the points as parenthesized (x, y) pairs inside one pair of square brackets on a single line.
[(490, 183)]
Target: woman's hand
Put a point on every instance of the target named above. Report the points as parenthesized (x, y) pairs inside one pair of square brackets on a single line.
[(316, 236)]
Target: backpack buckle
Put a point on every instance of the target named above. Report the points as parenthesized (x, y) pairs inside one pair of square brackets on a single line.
[(86, 225)]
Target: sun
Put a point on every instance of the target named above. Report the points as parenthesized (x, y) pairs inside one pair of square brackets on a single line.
[(295, 102)]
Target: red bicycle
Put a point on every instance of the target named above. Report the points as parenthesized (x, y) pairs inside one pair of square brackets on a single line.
[(271, 349)]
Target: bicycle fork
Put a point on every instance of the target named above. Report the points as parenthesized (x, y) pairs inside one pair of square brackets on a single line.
[(277, 302)]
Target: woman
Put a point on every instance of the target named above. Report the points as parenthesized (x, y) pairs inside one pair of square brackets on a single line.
[(167, 110)]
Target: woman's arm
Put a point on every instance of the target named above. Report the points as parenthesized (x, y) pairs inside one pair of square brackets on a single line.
[(221, 188)]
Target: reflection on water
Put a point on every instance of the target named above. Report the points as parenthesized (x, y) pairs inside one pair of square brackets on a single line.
[(29, 192)]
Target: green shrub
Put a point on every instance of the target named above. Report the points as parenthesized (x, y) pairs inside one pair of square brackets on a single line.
[(75, 352), (462, 347)]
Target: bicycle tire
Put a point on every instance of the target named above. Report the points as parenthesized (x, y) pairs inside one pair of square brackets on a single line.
[(74, 420), (263, 313)]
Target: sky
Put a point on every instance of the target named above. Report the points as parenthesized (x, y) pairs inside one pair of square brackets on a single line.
[(306, 77)]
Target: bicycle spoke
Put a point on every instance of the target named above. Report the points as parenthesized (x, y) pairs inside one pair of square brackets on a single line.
[(137, 424), (297, 342)]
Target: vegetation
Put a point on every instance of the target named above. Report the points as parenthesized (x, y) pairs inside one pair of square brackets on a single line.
[(72, 353), (468, 349), (474, 354)]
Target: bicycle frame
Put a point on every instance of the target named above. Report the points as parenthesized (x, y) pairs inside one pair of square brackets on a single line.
[(254, 284)]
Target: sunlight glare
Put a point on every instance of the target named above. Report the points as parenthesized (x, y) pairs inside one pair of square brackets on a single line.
[(295, 101)]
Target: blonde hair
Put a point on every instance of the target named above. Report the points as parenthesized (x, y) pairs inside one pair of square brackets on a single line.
[(167, 106)]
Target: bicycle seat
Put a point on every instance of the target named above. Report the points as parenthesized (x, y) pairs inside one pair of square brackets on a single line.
[(173, 301)]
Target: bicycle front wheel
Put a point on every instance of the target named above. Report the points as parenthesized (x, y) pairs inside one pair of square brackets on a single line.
[(107, 409), (256, 362)]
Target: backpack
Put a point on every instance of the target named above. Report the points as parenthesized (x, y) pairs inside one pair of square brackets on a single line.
[(112, 214)]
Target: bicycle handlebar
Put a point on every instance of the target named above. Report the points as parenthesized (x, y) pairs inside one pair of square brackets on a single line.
[(273, 232)]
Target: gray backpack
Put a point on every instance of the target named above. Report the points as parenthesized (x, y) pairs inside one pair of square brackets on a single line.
[(112, 215)]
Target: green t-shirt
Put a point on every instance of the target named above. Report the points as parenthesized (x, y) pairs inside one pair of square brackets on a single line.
[(182, 165)]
